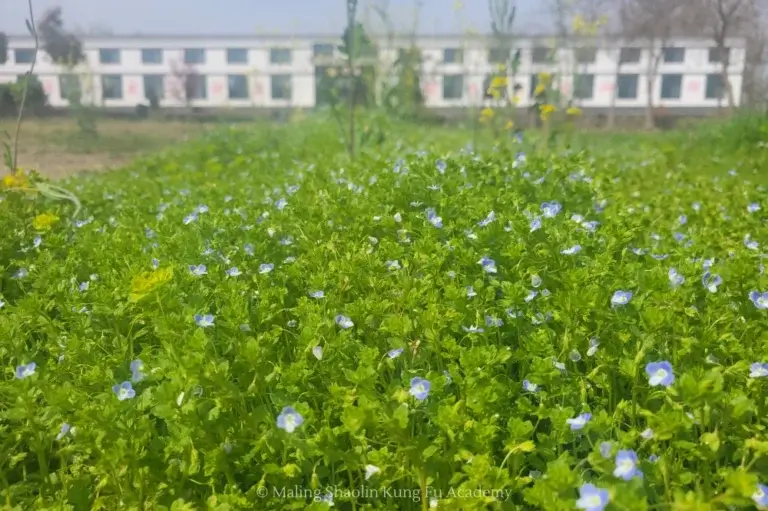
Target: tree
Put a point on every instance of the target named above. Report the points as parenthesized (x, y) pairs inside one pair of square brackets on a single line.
[(723, 19), (64, 47), (655, 22), (3, 48)]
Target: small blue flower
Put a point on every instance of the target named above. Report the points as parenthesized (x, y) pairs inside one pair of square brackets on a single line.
[(281, 204), (63, 430), (593, 345), (441, 166), (750, 243), (660, 373), (710, 282), (245, 327), (190, 218), (317, 294), (198, 270), (535, 280), (136, 366), (204, 321), (653, 458), (592, 498), (473, 329), (233, 272), (621, 298), (761, 495), (487, 220), (535, 224), (155, 263), (675, 279), (531, 295), (682, 219), (488, 264), (574, 355), (471, 292), (83, 287), (289, 419), (37, 241), (758, 370), (493, 322), (419, 388), (550, 209), (249, 249), (25, 370), (393, 265), (626, 465), (317, 351), (21, 273), (344, 321), (393, 354), (579, 421), (572, 250), (605, 449), (753, 207), (530, 387), (124, 391), (266, 268), (647, 433)]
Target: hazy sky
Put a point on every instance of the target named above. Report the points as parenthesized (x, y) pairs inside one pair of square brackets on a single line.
[(255, 16)]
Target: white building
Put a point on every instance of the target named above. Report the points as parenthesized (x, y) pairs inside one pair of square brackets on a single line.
[(279, 71)]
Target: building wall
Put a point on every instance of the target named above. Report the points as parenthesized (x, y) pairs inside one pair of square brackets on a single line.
[(259, 71)]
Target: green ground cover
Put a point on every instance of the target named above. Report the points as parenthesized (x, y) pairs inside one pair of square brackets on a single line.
[(253, 321)]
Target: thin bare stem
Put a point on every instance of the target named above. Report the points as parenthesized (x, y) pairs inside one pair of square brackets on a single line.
[(32, 28)]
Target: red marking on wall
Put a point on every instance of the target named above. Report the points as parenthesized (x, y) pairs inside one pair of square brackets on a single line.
[(133, 88), (473, 89), (693, 86), (48, 86), (258, 89), (218, 88), (606, 87)]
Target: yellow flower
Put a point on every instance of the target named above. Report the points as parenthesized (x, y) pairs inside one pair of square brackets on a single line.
[(44, 221), (545, 111), (499, 82), (458, 5), (15, 180), (144, 283), (539, 89), (574, 110), (509, 125), (545, 77), (486, 114)]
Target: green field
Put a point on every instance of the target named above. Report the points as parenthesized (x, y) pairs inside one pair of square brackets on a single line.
[(252, 320)]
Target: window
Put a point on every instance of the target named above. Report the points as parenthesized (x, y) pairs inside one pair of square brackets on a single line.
[(154, 87), (584, 86), (281, 86), (715, 89), (627, 86), (109, 56), (69, 87), (453, 56), (111, 87), (498, 55), (586, 55), (23, 55), (196, 86), (674, 55), (238, 86), (237, 56), (280, 56), (671, 86), (630, 55), (322, 50), (151, 56), (194, 56), (542, 55), (453, 86), (719, 55)]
